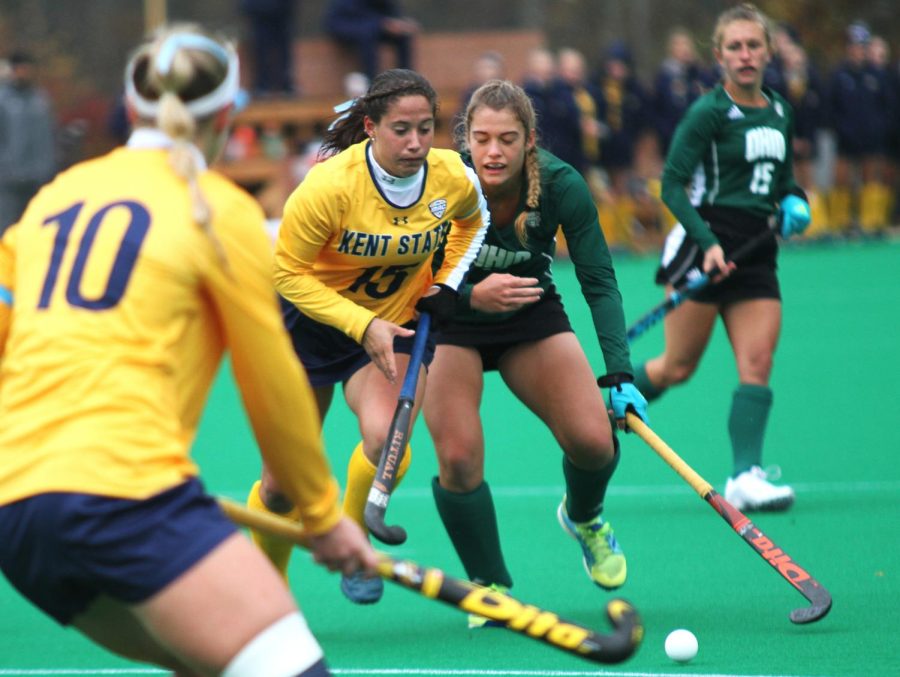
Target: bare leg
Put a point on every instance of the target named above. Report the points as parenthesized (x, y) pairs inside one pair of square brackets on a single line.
[(114, 626), (462, 497), (374, 399), (214, 609), (687, 332), (753, 329), (553, 378), (457, 381), (199, 622)]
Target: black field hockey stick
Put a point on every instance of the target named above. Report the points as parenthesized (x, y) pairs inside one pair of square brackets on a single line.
[(395, 445), (525, 619), (793, 573), (687, 290)]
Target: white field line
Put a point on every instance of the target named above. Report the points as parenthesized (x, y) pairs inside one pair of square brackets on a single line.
[(511, 492), (638, 490), (394, 672)]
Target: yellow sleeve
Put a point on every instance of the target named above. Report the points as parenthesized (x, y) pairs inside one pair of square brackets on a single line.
[(7, 272), (274, 388), (311, 217), (466, 235)]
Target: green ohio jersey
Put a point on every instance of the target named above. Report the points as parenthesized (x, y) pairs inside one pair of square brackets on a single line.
[(565, 202), (727, 155)]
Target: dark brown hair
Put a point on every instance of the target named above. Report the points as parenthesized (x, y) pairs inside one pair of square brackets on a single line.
[(386, 88)]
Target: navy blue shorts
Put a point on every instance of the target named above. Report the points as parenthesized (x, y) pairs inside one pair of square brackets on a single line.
[(63, 550), (328, 354)]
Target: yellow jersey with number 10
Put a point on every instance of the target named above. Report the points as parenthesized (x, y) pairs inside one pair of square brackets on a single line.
[(121, 310), (346, 254)]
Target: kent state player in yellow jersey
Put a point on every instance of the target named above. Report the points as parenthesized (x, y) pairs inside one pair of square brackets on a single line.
[(353, 261), (120, 288)]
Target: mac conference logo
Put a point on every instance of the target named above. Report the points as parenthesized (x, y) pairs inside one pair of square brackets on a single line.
[(438, 207)]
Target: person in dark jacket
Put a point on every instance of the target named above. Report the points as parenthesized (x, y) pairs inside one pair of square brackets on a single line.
[(558, 116), (28, 154), (624, 112), (859, 115), (681, 79), (791, 74), (271, 27), (364, 25)]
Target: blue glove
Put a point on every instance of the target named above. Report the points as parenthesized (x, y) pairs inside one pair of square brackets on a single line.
[(794, 215), (624, 396)]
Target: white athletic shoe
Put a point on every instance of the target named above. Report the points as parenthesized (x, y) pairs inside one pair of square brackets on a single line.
[(751, 490)]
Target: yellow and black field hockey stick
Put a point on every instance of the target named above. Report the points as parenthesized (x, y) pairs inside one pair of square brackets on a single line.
[(525, 619), (806, 585)]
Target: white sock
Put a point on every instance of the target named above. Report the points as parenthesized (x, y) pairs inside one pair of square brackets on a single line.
[(285, 649)]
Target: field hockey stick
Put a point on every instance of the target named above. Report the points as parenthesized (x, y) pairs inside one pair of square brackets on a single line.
[(685, 291), (806, 585), (525, 619), (395, 445)]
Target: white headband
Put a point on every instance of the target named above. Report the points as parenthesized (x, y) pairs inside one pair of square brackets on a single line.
[(207, 104)]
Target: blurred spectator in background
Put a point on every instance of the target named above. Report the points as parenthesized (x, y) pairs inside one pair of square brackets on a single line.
[(625, 114), (859, 108), (558, 117), (791, 74), (879, 58), (364, 25), (573, 72), (680, 80), (488, 65), (572, 69), (356, 84), (28, 153), (118, 126), (271, 25), (784, 37)]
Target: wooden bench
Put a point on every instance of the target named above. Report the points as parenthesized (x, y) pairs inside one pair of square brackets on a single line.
[(445, 58)]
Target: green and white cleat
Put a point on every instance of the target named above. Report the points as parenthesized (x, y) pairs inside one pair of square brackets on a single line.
[(603, 559), (476, 621)]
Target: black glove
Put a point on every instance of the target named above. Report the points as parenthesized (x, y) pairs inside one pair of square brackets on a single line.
[(441, 305)]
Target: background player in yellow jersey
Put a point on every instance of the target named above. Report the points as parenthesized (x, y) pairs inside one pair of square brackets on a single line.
[(353, 261), (120, 288)]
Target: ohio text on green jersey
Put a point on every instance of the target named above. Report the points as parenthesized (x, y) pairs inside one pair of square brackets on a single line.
[(728, 155), (565, 202)]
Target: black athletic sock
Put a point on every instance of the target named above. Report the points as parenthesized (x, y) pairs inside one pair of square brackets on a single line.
[(585, 489), (750, 407), (471, 523)]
